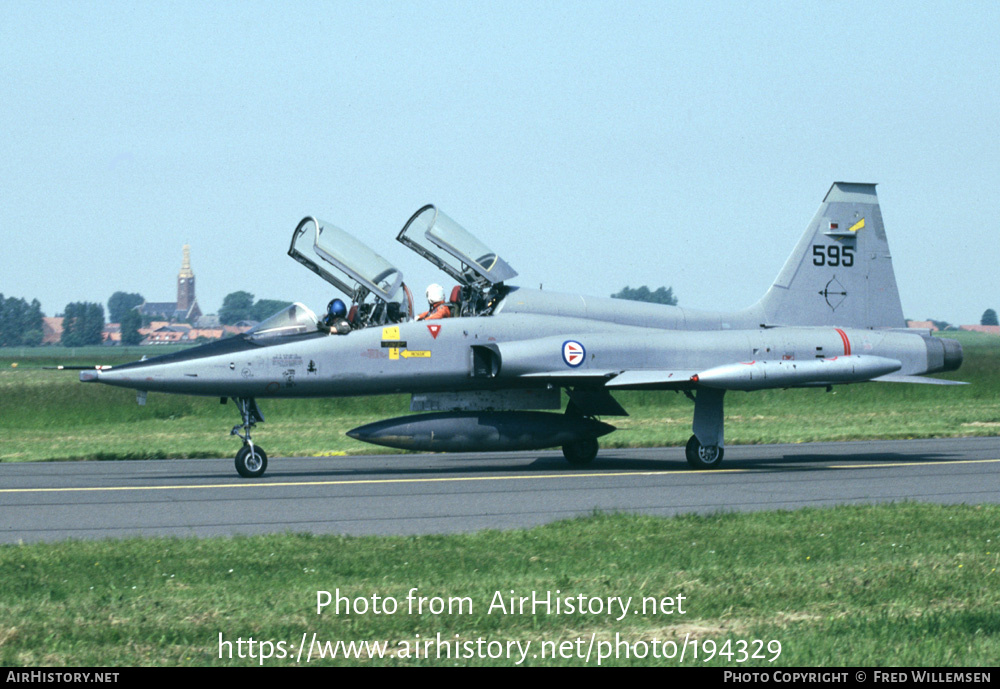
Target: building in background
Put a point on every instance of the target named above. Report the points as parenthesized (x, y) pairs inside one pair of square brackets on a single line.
[(185, 309)]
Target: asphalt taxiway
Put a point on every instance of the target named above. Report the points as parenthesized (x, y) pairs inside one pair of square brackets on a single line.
[(411, 494)]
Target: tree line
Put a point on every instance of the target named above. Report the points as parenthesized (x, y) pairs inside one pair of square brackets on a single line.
[(662, 295), (83, 322), (240, 306), (20, 322)]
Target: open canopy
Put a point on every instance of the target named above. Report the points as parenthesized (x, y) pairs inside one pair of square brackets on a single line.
[(350, 260), (445, 242)]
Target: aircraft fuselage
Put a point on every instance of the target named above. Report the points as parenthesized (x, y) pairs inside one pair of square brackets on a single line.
[(440, 355)]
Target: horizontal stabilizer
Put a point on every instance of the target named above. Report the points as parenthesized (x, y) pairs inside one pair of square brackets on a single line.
[(893, 378)]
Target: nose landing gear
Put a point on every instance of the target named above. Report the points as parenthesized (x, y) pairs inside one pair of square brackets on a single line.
[(251, 460)]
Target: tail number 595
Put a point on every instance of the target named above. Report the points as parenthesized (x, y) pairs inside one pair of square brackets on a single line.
[(833, 255)]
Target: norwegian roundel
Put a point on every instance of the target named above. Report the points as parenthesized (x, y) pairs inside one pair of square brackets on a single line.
[(573, 353)]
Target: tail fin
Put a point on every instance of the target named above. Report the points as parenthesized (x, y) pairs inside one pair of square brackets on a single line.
[(840, 273)]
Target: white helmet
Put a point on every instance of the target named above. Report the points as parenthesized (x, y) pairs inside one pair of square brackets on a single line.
[(435, 293)]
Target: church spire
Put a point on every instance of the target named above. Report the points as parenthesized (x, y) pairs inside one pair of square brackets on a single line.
[(185, 283), (186, 265)]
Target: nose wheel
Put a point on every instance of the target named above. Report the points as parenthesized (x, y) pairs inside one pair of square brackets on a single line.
[(251, 460)]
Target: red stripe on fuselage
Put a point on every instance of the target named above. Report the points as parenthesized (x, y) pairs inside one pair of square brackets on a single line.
[(847, 342)]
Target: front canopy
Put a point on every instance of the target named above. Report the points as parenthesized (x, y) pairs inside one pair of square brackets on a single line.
[(296, 319)]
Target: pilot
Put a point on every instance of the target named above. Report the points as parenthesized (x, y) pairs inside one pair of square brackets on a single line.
[(438, 307), (335, 321)]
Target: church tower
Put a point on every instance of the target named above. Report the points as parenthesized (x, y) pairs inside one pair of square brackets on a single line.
[(185, 283)]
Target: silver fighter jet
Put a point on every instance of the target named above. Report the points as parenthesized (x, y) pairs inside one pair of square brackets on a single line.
[(832, 316)]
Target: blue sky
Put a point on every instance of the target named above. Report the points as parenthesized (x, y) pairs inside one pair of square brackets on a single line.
[(594, 145)]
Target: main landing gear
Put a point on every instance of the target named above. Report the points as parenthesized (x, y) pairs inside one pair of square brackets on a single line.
[(703, 456), (251, 460), (705, 448), (580, 452)]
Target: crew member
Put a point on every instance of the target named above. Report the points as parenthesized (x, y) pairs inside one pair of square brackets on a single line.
[(335, 322), (438, 308)]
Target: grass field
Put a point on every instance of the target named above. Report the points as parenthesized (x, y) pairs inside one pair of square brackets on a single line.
[(892, 585), (49, 415)]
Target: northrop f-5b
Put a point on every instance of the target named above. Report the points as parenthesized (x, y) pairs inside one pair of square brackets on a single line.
[(480, 377)]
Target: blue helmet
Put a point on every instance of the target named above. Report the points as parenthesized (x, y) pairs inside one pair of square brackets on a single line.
[(336, 308)]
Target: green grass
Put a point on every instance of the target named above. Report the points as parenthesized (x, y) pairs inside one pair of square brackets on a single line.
[(49, 415), (891, 585)]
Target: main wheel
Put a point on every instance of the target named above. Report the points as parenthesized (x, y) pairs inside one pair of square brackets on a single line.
[(251, 463), (581, 452), (703, 456)]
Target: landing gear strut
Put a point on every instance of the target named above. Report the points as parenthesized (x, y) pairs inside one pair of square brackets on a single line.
[(705, 448), (251, 460)]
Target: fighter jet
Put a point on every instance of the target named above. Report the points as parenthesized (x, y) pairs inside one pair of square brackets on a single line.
[(479, 378)]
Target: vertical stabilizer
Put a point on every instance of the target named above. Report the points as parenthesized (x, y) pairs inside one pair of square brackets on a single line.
[(840, 273)]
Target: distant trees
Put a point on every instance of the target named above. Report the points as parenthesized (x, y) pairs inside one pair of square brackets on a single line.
[(663, 295), (20, 322), (236, 307), (83, 324), (265, 308), (131, 322), (989, 318), (240, 306), (122, 302)]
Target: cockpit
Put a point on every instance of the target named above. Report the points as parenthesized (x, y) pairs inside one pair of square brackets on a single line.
[(377, 293), (296, 319), (479, 270)]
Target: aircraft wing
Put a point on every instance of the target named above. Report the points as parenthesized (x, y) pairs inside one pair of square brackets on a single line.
[(619, 379), (572, 375), (658, 378)]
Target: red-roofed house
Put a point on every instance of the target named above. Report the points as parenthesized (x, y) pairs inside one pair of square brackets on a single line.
[(989, 329), (52, 330)]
